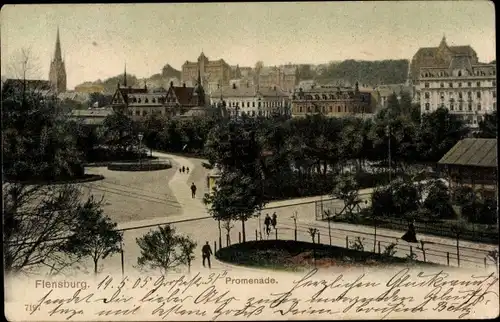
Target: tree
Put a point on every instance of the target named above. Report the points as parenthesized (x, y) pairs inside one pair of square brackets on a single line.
[(120, 131), (102, 100), (163, 249), (187, 250), (488, 126), (38, 144), (236, 197), (94, 234), (346, 189), (439, 132), (37, 221), (438, 200)]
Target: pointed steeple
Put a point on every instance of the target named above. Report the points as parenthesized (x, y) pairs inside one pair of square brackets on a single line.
[(57, 54), (125, 76), (200, 91), (443, 42), (57, 73)]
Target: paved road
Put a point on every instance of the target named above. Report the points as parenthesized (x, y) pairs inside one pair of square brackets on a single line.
[(192, 220)]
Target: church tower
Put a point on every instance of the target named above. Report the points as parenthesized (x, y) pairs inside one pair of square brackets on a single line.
[(57, 75)]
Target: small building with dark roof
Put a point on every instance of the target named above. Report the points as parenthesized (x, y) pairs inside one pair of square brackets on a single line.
[(472, 162)]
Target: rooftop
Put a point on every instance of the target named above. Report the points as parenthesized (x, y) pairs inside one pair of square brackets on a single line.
[(472, 152)]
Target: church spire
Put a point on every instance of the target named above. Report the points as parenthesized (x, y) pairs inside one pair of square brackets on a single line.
[(125, 76), (443, 42), (57, 54)]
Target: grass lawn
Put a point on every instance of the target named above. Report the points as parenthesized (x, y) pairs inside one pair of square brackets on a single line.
[(293, 255)]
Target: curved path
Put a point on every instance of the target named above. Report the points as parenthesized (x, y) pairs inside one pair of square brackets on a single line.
[(193, 220)]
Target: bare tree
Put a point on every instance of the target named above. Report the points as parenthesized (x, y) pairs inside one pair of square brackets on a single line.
[(37, 221)]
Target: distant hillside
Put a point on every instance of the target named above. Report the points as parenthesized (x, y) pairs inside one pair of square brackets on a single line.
[(369, 72), (156, 80), (170, 72)]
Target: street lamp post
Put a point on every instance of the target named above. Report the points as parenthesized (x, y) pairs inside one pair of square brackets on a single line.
[(140, 136)]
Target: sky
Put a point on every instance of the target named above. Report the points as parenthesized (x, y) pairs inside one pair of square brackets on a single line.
[(98, 39)]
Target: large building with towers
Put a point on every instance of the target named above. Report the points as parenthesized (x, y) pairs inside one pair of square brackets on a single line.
[(452, 77)]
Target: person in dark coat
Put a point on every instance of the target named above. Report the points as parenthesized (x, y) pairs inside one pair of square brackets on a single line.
[(180, 170), (193, 190), (206, 252), (274, 220), (183, 169), (187, 170), (410, 236), (267, 223)]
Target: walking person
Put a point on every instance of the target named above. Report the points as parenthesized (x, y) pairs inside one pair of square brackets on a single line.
[(267, 223), (180, 170), (206, 251), (274, 220), (183, 169), (410, 236), (187, 170), (193, 190)]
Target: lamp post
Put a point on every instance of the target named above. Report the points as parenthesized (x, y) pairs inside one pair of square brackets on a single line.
[(140, 136), (388, 133)]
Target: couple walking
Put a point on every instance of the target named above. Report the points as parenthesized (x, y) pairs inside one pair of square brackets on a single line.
[(268, 221)]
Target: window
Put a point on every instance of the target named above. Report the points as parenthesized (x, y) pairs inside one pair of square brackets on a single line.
[(441, 85), (427, 94), (460, 107), (478, 94), (427, 106), (137, 113), (478, 106), (300, 109), (426, 85), (478, 84), (459, 74), (469, 84), (470, 106), (253, 104), (260, 106), (134, 99), (442, 95), (144, 113), (452, 107), (450, 85), (494, 93), (331, 109), (338, 109), (139, 100), (459, 84), (248, 104), (460, 96), (475, 121), (494, 83), (129, 112), (451, 94)]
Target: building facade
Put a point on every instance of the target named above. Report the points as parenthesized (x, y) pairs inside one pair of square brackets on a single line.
[(213, 72), (332, 101), (251, 101), (141, 102), (382, 93), (89, 88), (57, 74), (465, 87), (284, 77)]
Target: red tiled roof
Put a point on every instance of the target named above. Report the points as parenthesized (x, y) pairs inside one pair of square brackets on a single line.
[(185, 95)]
